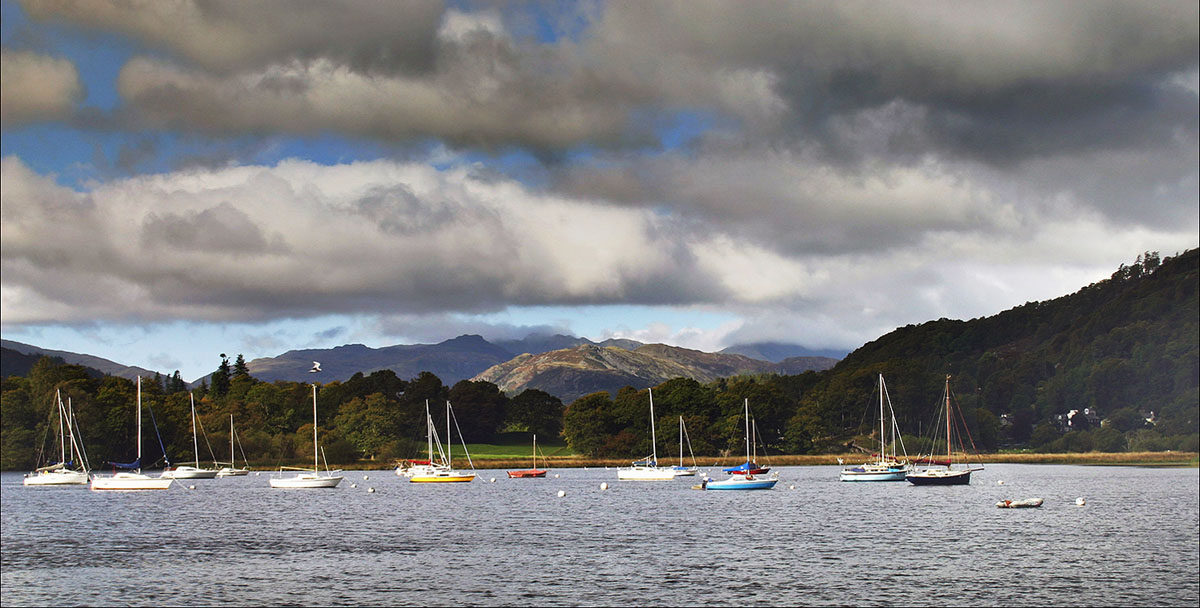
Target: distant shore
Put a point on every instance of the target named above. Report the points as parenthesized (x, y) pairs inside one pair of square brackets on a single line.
[(1161, 459)]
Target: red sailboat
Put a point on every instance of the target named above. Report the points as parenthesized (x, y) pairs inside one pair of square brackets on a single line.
[(529, 473)]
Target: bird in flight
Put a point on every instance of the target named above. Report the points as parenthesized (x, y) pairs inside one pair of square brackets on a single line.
[(316, 367)]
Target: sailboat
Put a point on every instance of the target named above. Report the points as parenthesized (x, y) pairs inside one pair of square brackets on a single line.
[(739, 480), (948, 476), (133, 479), (232, 470), (751, 466), (307, 478), (440, 471), (192, 471), (886, 468), (647, 469), (63, 472), (680, 470), (528, 473)]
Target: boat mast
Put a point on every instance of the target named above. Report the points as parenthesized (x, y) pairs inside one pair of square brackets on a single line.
[(948, 448), (67, 412), (681, 442), (316, 468), (139, 423), (71, 433), (195, 446), (653, 442), (62, 437), (747, 432), (232, 462), (450, 440), (882, 440), (535, 452)]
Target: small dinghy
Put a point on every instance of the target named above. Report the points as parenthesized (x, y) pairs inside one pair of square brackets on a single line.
[(1028, 503)]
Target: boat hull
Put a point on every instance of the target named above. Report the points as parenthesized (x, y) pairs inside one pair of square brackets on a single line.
[(645, 474), (190, 473), (684, 471), (56, 478), (130, 481), (229, 472), (940, 478), (443, 478), (742, 483), (861, 474), (529, 474), (307, 480)]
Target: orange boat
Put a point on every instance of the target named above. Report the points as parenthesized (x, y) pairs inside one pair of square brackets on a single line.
[(530, 473)]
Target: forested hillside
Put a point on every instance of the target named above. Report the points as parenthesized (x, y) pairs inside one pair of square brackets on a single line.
[(1117, 353)]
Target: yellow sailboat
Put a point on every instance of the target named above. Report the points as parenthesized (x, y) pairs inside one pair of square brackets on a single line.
[(440, 470)]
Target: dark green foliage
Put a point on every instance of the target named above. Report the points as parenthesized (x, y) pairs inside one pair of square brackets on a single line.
[(479, 409), (537, 412), (239, 367), (220, 378)]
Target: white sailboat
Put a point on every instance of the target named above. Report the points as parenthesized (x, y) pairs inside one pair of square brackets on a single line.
[(63, 472), (309, 478), (133, 479), (232, 470), (743, 480), (647, 469), (192, 471), (680, 470), (886, 467), (440, 470)]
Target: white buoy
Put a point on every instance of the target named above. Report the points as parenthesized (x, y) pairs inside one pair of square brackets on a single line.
[(191, 487), (604, 485), (354, 485), (556, 475), (366, 477), (562, 493), (1000, 483), (792, 487), (1080, 501), (370, 490), (492, 480), (257, 474)]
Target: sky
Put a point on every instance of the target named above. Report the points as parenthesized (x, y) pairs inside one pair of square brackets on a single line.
[(184, 179)]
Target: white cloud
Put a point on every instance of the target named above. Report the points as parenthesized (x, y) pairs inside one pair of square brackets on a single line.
[(36, 87)]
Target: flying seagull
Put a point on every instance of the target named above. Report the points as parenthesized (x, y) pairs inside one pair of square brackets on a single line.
[(316, 367)]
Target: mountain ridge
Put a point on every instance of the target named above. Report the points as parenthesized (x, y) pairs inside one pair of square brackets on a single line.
[(574, 372)]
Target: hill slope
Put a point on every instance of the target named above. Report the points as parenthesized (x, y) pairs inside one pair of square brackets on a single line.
[(1122, 348), (105, 366), (573, 372)]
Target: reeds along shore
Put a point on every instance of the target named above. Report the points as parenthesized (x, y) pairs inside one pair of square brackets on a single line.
[(1177, 459)]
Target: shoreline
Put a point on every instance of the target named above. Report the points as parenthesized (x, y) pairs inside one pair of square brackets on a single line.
[(1155, 459)]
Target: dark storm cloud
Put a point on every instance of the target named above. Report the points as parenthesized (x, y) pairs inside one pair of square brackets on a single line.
[(231, 36)]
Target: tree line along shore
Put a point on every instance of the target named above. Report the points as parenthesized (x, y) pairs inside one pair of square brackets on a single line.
[(1172, 459)]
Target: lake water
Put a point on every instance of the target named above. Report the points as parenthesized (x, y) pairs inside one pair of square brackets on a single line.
[(811, 540)]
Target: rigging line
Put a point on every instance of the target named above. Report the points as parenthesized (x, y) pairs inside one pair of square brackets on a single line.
[(159, 435), (966, 430), (897, 436), (239, 445), (41, 453), (460, 437), (202, 432), (77, 438)]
